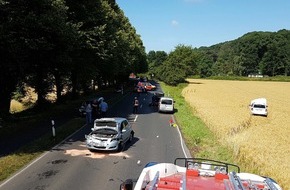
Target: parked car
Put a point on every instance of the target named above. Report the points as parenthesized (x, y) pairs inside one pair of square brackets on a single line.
[(146, 85), (166, 104), (109, 134), (259, 107), (156, 98), (149, 86)]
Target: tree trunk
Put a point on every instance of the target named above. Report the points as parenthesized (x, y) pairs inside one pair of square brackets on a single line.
[(58, 85), (6, 89), (5, 96), (40, 88), (74, 84)]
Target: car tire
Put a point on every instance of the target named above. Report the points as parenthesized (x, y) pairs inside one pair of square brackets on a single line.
[(131, 137), (128, 184), (120, 147)]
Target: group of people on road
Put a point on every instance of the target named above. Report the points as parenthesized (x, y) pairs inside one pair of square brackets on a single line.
[(99, 108), (96, 108)]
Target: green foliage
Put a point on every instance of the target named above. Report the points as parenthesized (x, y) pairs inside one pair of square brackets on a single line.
[(155, 59), (265, 53), (55, 44), (179, 64)]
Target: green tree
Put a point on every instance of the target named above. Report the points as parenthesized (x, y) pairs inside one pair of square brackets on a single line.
[(181, 63), (155, 59), (204, 64), (47, 34), (12, 52)]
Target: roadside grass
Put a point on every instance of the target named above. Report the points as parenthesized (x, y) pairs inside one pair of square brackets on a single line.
[(13, 162), (200, 141)]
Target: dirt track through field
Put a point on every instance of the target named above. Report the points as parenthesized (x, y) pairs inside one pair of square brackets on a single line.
[(263, 141)]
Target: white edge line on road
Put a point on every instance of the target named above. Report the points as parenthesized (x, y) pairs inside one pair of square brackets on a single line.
[(181, 139), (136, 116), (18, 173), (30, 164)]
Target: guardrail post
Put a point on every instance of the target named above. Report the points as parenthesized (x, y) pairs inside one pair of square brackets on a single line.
[(53, 128)]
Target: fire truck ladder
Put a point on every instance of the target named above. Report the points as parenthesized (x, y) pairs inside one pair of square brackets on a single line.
[(238, 185)]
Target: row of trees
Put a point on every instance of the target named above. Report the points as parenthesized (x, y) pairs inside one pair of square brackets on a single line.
[(265, 53), (52, 44)]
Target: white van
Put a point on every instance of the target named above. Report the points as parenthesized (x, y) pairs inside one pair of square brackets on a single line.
[(166, 104), (259, 107)]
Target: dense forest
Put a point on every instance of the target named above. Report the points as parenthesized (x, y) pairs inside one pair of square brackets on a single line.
[(255, 53), (55, 44), (71, 45)]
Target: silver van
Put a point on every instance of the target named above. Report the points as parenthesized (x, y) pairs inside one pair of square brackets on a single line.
[(166, 104)]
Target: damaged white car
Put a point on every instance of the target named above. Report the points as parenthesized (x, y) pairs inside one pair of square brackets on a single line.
[(109, 134)]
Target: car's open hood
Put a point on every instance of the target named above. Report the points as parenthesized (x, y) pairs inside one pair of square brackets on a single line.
[(105, 131)]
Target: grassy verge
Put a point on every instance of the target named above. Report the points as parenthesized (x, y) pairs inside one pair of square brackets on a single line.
[(199, 139), (13, 162)]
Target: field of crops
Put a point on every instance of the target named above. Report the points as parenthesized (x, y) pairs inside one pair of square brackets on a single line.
[(261, 143)]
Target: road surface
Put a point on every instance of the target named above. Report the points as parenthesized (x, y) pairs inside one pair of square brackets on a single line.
[(70, 165)]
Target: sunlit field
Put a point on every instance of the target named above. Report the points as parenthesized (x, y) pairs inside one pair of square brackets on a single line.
[(16, 106), (262, 144)]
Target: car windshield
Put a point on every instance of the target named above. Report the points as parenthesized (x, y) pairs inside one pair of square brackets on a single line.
[(167, 102), (106, 123), (259, 106)]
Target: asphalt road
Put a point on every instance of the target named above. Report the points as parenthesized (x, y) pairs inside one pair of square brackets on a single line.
[(70, 166)]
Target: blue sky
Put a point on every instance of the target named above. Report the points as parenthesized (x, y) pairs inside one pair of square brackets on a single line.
[(164, 24)]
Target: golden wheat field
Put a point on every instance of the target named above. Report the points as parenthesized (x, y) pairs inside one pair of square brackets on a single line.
[(262, 142)]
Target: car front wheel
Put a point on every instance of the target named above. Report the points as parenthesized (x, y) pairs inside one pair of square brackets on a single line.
[(120, 147), (131, 137)]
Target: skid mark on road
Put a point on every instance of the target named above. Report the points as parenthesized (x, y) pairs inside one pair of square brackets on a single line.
[(95, 155), (47, 174)]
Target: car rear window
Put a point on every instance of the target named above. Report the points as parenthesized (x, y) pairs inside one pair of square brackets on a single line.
[(105, 123), (167, 102), (259, 106)]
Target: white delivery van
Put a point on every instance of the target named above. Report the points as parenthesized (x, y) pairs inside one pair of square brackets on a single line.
[(259, 107), (166, 104)]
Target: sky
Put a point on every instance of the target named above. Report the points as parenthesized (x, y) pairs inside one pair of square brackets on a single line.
[(165, 24)]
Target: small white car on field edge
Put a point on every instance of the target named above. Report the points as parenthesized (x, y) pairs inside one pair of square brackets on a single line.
[(259, 107)]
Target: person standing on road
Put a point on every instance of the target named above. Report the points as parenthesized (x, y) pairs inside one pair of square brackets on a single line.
[(103, 108), (95, 109), (135, 105), (88, 113)]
